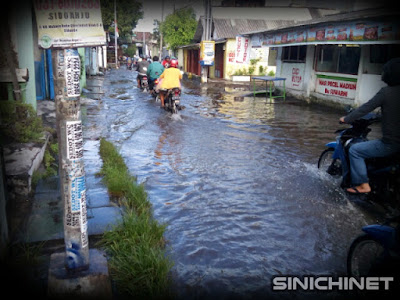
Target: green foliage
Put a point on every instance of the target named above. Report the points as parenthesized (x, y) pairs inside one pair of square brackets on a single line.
[(129, 12), (137, 260), (271, 73), (261, 70), (131, 50), (20, 123), (251, 70), (254, 61), (179, 28), (49, 160)]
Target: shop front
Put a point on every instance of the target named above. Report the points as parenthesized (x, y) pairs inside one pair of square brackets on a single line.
[(339, 61)]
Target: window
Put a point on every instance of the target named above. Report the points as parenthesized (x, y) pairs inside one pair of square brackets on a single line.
[(338, 58), (380, 54), (243, 3), (273, 53), (294, 53)]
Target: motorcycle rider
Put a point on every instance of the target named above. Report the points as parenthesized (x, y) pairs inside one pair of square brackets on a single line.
[(387, 99), (171, 78), (129, 62), (154, 71), (142, 69), (166, 62)]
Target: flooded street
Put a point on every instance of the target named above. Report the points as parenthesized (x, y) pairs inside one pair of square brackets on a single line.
[(236, 181)]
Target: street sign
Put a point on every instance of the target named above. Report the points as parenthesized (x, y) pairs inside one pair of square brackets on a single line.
[(69, 24)]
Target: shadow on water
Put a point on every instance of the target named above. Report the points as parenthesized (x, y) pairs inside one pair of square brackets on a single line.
[(235, 178)]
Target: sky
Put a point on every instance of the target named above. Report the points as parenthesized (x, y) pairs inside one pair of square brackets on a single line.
[(152, 11)]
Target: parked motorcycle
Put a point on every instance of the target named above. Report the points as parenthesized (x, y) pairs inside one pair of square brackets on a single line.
[(172, 100), (383, 172), (377, 251)]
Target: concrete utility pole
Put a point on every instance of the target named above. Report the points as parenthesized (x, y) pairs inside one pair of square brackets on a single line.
[(144, 45), (161, 35), (206, 34), (115, 34), (67, 68)]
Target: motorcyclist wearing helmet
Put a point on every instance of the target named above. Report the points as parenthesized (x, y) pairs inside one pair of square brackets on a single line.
[(166, 62), (171, 78), (388, 100), (142, 69)]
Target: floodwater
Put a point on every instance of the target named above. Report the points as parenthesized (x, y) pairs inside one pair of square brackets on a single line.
[(235, 179)]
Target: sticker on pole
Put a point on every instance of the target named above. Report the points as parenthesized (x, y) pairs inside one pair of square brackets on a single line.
[(72, 72), (78, 192), (74, 139)]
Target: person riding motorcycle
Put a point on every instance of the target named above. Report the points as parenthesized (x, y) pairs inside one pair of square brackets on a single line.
[(171, 78), (387, 99), (166, 62), (154, 71), (129, 62), (142, 69)]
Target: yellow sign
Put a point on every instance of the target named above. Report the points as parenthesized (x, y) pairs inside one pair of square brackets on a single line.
[(69, 24), (207, 53)]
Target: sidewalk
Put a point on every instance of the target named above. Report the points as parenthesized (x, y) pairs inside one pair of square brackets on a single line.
[(45, 222)]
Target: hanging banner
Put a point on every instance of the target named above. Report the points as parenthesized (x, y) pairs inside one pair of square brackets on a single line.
[(69, 24), (351, 33), (242, 53)]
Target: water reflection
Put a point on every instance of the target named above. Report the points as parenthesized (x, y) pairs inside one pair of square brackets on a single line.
[(235, 179)]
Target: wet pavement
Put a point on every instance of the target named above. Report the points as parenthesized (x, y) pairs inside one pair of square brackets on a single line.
[(235, 178)]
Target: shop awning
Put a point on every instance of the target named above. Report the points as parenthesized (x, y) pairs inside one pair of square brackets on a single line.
[(361, 27)]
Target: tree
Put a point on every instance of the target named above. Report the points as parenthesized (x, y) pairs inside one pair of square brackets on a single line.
[(129, 12), (131, 50), (179, 28)]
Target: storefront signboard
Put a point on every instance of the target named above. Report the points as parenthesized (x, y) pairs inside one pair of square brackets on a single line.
[(336, 86), (207, 53), (242, 53), (69, 24)]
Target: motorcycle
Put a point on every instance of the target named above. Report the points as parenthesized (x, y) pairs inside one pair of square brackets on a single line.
[(144, 83), (172, 100), (377, 251), (155, 93), (383, 172)]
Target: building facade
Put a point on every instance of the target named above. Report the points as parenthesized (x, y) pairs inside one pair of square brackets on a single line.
[(337, 58)]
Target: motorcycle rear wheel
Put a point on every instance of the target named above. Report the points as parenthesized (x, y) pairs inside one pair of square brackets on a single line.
[(174, 108), (366, 257), (326, 163)]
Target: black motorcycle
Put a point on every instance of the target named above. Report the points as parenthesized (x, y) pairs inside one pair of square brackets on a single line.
[(172, 100), (152, 89), (383, 172), (144, 82)]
